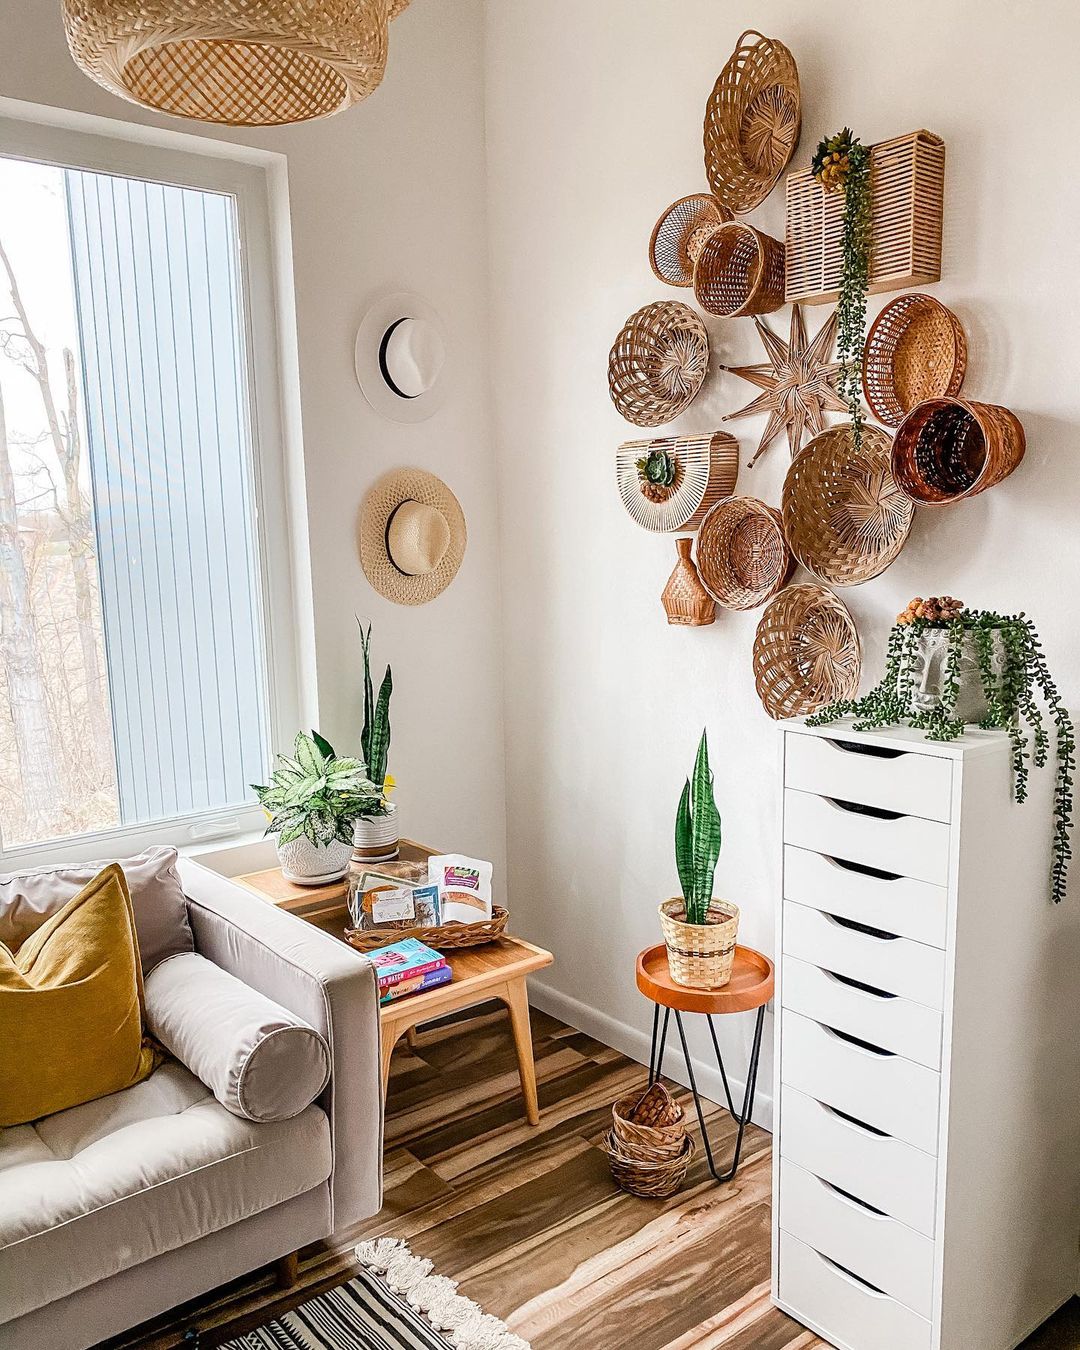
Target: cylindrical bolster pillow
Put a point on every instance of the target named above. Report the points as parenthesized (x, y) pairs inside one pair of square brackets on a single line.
[(258, 1060)]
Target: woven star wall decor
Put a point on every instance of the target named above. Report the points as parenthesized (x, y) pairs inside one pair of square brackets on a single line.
[(799, 383)]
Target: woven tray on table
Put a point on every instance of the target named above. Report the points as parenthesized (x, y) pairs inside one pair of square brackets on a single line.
[(806, 652), (752, 121), (949, 448), (742, 555), (845, 515), (658, 363), (739, 271), (678, 235), (916, 350), (443, 938)]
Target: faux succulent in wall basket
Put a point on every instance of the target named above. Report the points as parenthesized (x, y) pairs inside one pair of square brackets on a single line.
[(947, 667)]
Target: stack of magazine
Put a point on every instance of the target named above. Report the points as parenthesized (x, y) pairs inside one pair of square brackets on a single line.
[(408, 967)]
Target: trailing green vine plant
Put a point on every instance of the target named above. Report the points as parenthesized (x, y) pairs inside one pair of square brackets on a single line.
[(1013, 678), (842, 164)]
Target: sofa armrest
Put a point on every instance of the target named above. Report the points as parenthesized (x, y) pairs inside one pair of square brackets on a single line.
[(330, 986)]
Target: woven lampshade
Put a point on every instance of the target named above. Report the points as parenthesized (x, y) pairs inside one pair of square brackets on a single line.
[(236, 62)]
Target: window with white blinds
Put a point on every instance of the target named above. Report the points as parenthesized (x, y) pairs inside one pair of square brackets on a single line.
[(138, 686)]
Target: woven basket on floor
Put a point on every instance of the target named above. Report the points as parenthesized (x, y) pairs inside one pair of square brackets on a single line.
[(706, 470), (752, 121), (255, 64), (651, 1179), (444, 938), (686, 602), (916, 350), (700, 955), (949, 448), (678, 235), (658, 363), (743, 558), (845, 516), (806, 652), (739, 271), (651, 1142)]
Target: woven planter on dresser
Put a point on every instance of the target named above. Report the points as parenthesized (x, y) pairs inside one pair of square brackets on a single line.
[(706, 470), (680, 232), (907, 185), (845, 517), (916, 350), (658, 363), (806, 652), (739, 271), (949, 448), (743, 557)]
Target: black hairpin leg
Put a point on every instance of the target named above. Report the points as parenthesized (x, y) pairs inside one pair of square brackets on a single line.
[(748, 1096), (656, 1051)]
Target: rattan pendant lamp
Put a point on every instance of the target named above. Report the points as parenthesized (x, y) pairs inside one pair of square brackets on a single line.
[(236, 62)]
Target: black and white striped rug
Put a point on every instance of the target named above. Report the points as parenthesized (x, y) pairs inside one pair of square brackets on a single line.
[(395, 1302)]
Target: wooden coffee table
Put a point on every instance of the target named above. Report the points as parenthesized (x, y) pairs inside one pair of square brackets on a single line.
[(495, 971)]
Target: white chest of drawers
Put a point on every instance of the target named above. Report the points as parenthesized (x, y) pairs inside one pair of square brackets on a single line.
[(926, 1190)]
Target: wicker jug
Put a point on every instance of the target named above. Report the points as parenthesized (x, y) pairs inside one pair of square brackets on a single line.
[(685, 599), (700, 955)]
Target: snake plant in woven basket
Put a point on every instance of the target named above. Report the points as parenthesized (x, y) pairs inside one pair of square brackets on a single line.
[(697, 838)]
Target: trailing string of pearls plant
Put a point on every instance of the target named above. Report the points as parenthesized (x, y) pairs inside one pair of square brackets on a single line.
[(1004, 654)]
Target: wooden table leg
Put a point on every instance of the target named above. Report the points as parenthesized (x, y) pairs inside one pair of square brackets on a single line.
[(516, 997), (410, 1037), (388, 1038)]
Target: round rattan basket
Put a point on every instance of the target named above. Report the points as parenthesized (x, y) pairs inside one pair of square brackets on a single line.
[(641, 1175), (700, 955), (916, 350), (845, 516), (806, 652), (706, 469), (651, 1121), (678, 235), (948, 448), (253, 64), (752, 121), (739, 271), (444, 938), (742, 555), (658, 363)]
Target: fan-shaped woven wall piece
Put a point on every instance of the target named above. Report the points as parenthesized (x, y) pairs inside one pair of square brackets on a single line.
[(742, 555), (916, 350), (806, 652), (707, 468), (739, 271), (845, 516), (678, 235), (262, 63), (950, 448), (752, 121), (658, 363)]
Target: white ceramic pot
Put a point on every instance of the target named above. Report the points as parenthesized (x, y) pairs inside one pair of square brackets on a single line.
[(308, 864), (375, 838)]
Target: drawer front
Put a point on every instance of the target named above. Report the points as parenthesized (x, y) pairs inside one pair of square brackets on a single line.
[(880, 1170), (911, 783), (912, 909), (885, 1091), (889, 1254), (908, 845), (896, 965), (848, 1311), (897, 1024)]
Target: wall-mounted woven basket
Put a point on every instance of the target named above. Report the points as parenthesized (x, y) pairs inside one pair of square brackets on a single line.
[(743, 557), (686, 602), (949, 448), (806, 652), (678, 235), (739, 271), (658, 363), (907, 184), (916, 350), (845, 516), (752, 121), (707, 468)]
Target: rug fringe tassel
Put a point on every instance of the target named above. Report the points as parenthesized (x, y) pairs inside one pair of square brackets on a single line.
[(467, 1326)]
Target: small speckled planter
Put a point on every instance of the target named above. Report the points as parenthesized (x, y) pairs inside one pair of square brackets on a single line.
[(375, 838)]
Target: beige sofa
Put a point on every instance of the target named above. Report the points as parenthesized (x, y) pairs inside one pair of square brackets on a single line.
[(122, 1208)]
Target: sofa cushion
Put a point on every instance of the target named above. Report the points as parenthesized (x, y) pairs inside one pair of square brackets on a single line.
[(259, 1060), (28, 898), (91, 1191)]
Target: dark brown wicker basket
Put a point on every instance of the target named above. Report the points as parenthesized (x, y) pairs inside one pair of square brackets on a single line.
[(948, 448), (739, 271)]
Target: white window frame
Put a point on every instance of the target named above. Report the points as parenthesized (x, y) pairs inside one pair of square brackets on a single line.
[(257, 181)]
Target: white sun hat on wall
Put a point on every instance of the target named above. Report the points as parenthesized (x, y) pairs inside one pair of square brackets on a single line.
[(400, 358)]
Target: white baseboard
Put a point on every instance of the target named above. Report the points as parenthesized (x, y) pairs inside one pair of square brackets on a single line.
[(634, 1043)]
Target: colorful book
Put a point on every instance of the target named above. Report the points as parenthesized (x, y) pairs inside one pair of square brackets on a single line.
[(407, 967), (416, 984)]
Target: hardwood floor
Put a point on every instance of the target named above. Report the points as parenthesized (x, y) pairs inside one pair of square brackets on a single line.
[(530, 1223)]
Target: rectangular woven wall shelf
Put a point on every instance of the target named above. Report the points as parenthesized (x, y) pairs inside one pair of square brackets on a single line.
[(907, 182)]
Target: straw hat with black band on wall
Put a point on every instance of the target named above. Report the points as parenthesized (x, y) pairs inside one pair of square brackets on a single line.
[(412, 536)]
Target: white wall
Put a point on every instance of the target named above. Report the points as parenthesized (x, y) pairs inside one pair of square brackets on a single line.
[(387, 196), (594, 115)]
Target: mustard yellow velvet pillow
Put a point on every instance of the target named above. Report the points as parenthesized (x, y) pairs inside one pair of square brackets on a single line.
[(71, 1006)]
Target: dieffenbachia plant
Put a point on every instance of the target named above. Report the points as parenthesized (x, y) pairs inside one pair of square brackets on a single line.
[(315, 794)]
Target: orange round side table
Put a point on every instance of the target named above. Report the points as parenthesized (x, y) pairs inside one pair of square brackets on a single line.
[(750, 987)]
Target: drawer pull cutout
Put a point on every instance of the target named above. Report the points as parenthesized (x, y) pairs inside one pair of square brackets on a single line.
[(858, 809), (856, 1280), (858, 984), (850, 1199), (875, 751), (854, 1123), (864, 928), (864, 869), (862, 1045)]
